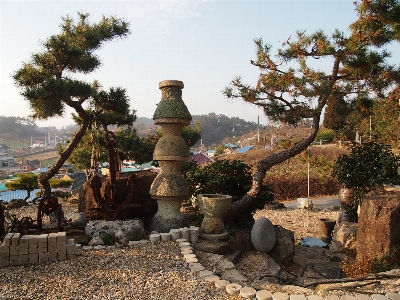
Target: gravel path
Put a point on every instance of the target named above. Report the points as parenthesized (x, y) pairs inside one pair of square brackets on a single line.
[(145, 271)]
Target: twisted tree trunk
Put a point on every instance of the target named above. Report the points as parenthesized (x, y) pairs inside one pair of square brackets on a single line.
[(44, 177), (238, 207)]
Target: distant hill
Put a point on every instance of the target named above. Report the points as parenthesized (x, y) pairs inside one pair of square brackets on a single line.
[(214, 128)]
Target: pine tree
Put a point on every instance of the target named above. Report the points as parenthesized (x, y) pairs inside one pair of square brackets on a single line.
[(47, 82)]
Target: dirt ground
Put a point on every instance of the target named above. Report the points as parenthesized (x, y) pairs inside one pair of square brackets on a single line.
[(43, 155)]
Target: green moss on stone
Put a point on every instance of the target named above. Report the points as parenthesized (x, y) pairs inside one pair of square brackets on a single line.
[(173, 108)]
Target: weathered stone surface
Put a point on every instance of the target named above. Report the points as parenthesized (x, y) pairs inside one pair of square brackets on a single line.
[(233, 288), (96, 241), (214, 207), (78, 219), (378, 230), (260, 263), (344, 237), (233, 275), (248, 292), (263, 235), (212, 247), (168, 216), (171, 104), (264, 295), (121, 230), (284, 248)]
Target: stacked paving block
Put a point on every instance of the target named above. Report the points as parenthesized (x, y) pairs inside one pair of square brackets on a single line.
[(18, 249)]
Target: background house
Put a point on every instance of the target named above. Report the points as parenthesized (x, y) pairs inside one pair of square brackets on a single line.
[(3, 149), (6, 161)]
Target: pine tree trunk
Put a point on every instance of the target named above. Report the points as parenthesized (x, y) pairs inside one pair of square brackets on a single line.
[(44, 177), (238, 207)]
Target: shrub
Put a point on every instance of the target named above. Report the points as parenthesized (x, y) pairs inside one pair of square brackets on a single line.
[(290, 188), (108, 239), (221, 177), (370, 265), (325, 134), (368, 165)]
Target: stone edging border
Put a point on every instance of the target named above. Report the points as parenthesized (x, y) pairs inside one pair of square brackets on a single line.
[(234, 288)]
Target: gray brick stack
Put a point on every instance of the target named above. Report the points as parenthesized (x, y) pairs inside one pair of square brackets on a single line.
[(31, 249)]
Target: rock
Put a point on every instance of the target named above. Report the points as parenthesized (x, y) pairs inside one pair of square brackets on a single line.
[(233, 288), (16, 203), (212, 247), (78, 219), (233, 275), (121, 230), (378, 231), (284, 249), (96, 241), (263, 235), (248, 292), (258, 263), (344, 237), (79, 236), (274, 205), (304, 203), (344, 217)]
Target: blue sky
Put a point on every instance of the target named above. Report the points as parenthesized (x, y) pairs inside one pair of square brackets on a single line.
[(202, 43)]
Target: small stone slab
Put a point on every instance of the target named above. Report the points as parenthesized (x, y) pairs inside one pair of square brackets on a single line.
[(212, 247), (205, 273), (221, 284), (181, 240), (316, 297), (248, 292), (189, 255), (348, 297), (186, 251), (393, 296), (297, 297), (211, 278), (87, 247), (184, 244), (191, 260), (132, 243), (363, 297), (379, 297), (233, 288), (264, 295), (196, 269), (332, 297), (280, 296), (194, 264), (215, 236), (165, 237)]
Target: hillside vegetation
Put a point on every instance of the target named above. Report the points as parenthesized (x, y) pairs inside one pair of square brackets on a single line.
[(290, 178)]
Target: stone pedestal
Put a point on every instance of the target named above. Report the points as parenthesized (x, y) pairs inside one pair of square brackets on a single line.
[(213, 207), (169, 188)]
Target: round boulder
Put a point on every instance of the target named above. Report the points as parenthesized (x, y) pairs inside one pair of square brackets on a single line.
[(78, 219), (120, 230), (263, 235)]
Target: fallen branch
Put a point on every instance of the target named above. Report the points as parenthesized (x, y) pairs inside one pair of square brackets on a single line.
[(368, 277), (352, 288)]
